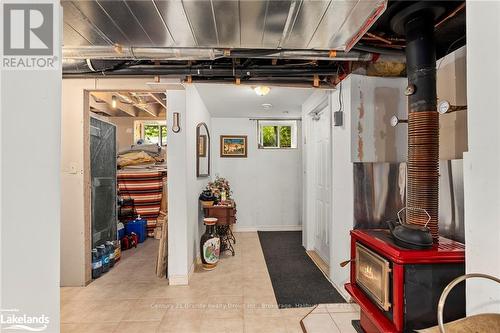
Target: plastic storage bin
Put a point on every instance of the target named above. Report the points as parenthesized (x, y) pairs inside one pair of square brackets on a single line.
[(139, 227)]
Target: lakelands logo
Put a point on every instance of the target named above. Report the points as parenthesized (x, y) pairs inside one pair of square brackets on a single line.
[(28, 36), (13, 319)]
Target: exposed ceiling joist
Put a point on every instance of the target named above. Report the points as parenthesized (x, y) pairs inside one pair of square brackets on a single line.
[(139, 103), (158, 98), (108, 98), (102, 107)]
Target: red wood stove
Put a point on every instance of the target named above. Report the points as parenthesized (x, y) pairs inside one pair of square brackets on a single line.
[(398, 289)]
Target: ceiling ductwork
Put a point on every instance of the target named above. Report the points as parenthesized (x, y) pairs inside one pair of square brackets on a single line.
[(220, 24), (167, 53)]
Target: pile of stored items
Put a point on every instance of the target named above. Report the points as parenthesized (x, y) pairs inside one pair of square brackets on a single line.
[(143, 193)]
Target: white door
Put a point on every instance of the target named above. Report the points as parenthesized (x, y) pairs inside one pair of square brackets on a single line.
[(321, 169)]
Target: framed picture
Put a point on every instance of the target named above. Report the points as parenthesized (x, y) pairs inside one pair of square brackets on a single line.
[(202, 146), (233, 146)]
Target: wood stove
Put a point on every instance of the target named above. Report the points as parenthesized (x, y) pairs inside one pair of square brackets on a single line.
[(398, 289)]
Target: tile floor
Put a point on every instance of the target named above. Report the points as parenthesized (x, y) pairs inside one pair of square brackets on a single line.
[(333, 318), (235, 297)]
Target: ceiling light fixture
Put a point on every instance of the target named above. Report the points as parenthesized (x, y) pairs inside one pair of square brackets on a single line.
[(267, 106), (262, 90), (113, 102)]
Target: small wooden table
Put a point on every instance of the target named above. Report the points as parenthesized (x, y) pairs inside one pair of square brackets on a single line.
[(226, 217)]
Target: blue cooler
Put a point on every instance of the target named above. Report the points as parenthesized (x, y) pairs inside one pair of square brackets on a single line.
[(121, 230), (137, 226)]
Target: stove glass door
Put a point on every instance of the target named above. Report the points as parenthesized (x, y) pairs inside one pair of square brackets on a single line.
[(372, 275)]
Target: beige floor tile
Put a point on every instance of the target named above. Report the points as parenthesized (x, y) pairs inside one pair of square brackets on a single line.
[(137, 327), (88, 328), (74, 311), (224, 326), (341, 307), (107, 311), (296, 312), (188, 307), (152, 309), (293, 325), (320, 308), (224, 307), (320, 323), (265, 324), (237, 295), (344, 321), (186, 323)]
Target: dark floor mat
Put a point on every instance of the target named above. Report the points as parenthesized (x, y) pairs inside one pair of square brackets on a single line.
[(297, 281)]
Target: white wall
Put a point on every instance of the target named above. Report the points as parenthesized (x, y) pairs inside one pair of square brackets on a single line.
[(178, 266), (184, 187), (482, 161), (30, 124), (196, 113), (342, 187), (267, 185)]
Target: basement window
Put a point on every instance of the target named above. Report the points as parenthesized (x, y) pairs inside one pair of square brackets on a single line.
[(152, 132), (277, 134)]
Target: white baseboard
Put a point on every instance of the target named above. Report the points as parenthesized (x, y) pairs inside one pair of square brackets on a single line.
[(238, 228), (178, 280), (183, 280)]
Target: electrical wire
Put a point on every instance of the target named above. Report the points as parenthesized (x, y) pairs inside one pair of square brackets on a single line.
[(448, 50)]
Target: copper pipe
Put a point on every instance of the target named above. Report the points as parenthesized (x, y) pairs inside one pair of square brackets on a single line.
[(423, 124), (423, 168), (380, 38), (452, 14)]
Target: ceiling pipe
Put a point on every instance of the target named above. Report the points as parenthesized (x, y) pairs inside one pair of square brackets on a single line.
[(166, 53), (208, 70)]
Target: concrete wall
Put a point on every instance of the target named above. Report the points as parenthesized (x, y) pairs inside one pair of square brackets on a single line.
[(267, 185), (75, 181), (482, 161), (30, 127)]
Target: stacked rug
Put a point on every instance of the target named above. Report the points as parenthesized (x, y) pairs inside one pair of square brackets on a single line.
[(145, 188)]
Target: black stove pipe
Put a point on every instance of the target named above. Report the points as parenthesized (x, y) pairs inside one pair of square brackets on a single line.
[(421, 61), (423, 122)]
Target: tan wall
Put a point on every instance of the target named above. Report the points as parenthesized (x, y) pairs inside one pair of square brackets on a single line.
[(452, 86), (125, 130)]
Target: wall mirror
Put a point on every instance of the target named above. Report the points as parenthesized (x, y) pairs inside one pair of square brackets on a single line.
[(202, 150)]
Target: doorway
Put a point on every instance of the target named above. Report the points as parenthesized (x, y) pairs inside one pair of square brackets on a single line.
[(127, 176)]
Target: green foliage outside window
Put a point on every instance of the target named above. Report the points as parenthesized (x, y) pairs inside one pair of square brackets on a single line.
[(270, 136), (285, 136), (152, 134)]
